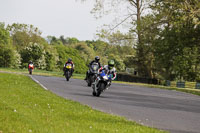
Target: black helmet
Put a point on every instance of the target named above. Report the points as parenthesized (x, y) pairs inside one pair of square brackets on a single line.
[(97, 58), (111, 64), (69, 60)]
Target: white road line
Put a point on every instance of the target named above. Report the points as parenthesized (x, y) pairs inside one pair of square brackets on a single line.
[(38, 82)]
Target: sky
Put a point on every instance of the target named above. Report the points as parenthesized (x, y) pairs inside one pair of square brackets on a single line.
[(70, 18)]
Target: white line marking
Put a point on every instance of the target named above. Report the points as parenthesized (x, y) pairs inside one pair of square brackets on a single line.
[(38, 82)]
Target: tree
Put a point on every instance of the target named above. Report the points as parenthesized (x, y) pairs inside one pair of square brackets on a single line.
[(65, 52), (176, 47), (72, 40), (4, 35), (86, 52), (134, 14), (23, 34), (33, 52), (6, 55)]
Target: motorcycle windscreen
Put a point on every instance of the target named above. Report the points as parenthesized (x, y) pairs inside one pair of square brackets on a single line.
[(95, 68), (69, 66), (30, 66)]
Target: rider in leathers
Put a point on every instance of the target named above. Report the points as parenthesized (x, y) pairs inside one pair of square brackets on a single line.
[(69, 62), (96, 60), (111, 70)]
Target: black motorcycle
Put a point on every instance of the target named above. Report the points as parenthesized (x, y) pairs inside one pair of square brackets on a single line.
[(68, 71), (101, 83), (93, 71)]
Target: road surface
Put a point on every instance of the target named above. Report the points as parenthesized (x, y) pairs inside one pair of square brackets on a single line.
[(176, 112)]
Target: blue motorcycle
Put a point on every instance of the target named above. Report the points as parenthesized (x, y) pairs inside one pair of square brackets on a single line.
[(101, 83)]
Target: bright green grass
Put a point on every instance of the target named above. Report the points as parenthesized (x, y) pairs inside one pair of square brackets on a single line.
[(42, 72), (187, 90), (26, 107), (189, 85)]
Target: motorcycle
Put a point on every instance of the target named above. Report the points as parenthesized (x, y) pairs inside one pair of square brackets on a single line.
[(101, 83), (68, 71), (30, 68), (93, 73)]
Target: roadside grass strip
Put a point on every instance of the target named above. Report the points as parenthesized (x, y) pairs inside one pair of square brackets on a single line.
[(189, 85), (41, 72), (25, 107), (187, 90)]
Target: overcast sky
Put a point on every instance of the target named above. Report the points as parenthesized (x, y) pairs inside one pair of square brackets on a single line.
[(54, 17)]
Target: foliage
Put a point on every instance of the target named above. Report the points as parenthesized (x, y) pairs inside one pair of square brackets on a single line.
[(23, 34), (51, 58), (86, 52), (176, 48), (6, 55), (16, 63), (4, 35), (33, 52), (67, 52)]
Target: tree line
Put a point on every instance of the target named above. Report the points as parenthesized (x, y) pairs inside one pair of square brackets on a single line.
[(166, 34), (163, 43), (20, 43)]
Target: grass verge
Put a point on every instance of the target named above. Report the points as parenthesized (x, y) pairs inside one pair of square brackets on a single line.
[(82, 76), (26, 107), (41, 72), (187, 90)]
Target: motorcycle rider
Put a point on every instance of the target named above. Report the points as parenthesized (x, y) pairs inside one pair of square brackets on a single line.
[(30, 65), (110, 70), (96, 60), (69, 61)]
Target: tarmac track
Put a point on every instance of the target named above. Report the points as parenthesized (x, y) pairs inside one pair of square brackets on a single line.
[(176, 112)]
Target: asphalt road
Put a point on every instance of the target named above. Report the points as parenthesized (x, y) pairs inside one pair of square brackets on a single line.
[(176, 112)]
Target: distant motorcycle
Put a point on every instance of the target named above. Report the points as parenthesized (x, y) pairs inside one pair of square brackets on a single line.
[(68, 71), (30, 68), (101, 83), (92, 74)]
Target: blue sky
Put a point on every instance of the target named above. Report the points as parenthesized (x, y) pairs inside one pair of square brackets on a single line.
[(54, 17)]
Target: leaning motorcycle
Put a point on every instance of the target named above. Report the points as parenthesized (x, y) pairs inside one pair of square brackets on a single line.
[(101, 83), (92, 74), (30, 68), (68, 71)]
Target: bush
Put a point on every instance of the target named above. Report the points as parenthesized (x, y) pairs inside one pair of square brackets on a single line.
[(132, 78), (65, 52), (6, 55)]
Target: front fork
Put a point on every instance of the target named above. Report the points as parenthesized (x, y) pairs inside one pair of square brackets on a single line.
[(95, 83)]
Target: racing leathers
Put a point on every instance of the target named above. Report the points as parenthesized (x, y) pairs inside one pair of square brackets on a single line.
[(88, 72), (72, 64)]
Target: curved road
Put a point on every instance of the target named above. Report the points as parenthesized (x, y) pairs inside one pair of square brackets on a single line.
[(176, 112)]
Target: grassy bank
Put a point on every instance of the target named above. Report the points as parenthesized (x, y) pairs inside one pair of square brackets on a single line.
[(189, 88), (26, 107), (42, 72)]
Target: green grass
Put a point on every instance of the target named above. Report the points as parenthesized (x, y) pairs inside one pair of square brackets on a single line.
[(173, 87), (42, 72), (26, 107), (189, 85)]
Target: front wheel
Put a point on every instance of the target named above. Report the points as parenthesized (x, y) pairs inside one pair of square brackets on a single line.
[(100, 89), (67, 75), (30, 71), (89, 80), (94, 93)]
